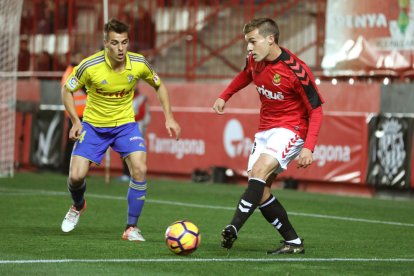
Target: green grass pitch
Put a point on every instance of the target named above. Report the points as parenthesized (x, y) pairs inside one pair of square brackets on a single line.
[(343, 235)]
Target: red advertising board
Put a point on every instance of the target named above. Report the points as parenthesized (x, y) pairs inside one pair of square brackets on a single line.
[(210, 140), (341, 152)]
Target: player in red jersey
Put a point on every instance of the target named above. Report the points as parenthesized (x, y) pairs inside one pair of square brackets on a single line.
[(290, 119)]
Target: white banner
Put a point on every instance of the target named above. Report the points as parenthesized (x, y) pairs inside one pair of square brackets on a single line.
[(369, 37)]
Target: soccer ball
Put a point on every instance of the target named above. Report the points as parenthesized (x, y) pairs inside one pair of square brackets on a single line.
[(182, 237)]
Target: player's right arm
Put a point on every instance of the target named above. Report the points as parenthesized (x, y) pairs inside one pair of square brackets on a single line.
[(74, 82), (219, 105), (69, 103), (238, 83)]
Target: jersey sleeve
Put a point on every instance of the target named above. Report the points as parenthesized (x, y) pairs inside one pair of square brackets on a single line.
[(238, 83), (149, 76), (77, 79), (313, 104), (315, 122), (306, 87)]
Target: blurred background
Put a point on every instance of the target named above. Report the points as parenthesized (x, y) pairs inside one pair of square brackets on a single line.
[(361, 54)]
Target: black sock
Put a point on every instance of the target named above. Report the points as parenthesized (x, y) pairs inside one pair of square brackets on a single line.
[(248, 202), (130, 225), (276, 215), (77, 195)]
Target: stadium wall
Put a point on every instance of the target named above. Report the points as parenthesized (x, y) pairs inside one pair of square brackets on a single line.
[(210, 141)]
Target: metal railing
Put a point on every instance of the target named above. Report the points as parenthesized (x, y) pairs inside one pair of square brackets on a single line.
[(190, 40)]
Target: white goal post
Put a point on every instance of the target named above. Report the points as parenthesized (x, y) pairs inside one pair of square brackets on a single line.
[(10, 13)]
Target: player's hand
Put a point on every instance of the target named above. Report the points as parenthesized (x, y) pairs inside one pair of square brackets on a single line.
[(172, 126), (75, 131), (305, 158), (218, 106)]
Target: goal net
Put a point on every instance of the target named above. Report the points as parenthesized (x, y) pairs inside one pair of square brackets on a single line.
[(10, 12)]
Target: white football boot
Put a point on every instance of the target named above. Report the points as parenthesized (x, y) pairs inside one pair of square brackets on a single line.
[(133, 234), (72, 218)]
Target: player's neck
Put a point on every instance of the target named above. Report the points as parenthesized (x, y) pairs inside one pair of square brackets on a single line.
[(117, 66), (274, 53)]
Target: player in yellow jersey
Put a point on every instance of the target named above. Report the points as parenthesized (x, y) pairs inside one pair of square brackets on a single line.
[(108, 121)]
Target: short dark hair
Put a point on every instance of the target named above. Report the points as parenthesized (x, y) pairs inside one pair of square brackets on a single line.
[(266, 26), (116, 26)]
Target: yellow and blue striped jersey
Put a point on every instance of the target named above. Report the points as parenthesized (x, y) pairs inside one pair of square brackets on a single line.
[(110, 93)]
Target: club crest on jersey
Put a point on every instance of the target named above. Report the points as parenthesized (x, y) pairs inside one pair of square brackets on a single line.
[(130, 78), (276, 79)]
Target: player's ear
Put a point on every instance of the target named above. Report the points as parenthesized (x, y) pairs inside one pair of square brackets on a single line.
[(270, 39)]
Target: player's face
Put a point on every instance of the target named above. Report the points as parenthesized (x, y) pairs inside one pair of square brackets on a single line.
[(117, 46), (257, 45)]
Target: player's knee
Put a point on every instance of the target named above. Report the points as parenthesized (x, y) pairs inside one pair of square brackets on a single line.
[(258, 172), (139, 171), (76, 179), (78, 170)]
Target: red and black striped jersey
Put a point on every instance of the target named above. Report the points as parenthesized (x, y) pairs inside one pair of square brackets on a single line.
[(288, 93)]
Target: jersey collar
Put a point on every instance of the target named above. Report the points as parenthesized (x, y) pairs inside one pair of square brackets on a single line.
[(280, 57), (128, 64)]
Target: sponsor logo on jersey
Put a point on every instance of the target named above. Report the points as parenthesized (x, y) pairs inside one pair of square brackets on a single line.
[(269, 94), (117, 94), (276, 79), (72, 83)]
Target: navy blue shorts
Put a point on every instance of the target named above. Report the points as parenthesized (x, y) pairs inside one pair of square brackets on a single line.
[(94, 141)]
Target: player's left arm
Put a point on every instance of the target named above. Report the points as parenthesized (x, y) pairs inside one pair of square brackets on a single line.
[(147, 116), (170, 123), (315, 121), (313, 103), (149, 76), (238, 83)]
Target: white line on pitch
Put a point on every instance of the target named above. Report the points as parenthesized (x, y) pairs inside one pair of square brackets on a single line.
[(42, 192), (190, 260)]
